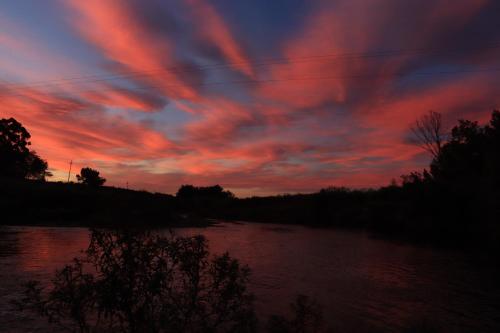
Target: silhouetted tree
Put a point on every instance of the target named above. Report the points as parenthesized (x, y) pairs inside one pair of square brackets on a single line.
[(16, 160), (416, 178), (37, 168), (90, 177), (464, 157), (186, 191), (209, 201), (428, 132), (212, 192)]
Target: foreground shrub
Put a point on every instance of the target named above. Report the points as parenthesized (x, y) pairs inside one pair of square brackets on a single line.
[(137, 282), (306, 318)]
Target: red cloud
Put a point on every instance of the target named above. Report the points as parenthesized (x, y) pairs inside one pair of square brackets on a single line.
[(64, 128), (113, 28), (334, 58), (125, 98), (320, 121), (221, 121)]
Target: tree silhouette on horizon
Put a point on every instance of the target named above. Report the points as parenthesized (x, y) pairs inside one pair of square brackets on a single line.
[(90, 177), (429, 133), (16, 159)]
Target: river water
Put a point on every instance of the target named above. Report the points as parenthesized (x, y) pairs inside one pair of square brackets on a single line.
[(363, 284)]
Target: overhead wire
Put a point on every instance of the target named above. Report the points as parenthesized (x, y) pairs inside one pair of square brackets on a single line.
[(269, 62)]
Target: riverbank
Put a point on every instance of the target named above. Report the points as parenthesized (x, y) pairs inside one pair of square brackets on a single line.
[(24, 202), (430, 215)]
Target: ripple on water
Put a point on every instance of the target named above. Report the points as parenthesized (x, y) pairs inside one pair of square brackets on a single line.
[(364, 284)]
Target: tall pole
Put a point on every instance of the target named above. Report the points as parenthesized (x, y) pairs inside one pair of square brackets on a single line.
[(69, 172)]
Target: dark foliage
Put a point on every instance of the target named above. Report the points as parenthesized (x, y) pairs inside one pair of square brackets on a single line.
[(455, 202), (134, 281), (306, 318), (138, 282), (16, 159), (37, 168), (56, 203), (90, 177), (209, 201), (188, 192), (471, 159)]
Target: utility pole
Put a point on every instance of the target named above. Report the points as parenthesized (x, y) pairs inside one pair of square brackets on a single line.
[(69, 173)]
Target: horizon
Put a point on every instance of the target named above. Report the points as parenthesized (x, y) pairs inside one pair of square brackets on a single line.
[(362, 189), (261, 98)]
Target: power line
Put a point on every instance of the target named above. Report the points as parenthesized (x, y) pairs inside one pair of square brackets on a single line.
[(271, 61), (314, 78)]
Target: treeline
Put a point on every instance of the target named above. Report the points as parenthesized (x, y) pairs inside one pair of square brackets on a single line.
[(457, 199), (65, 204), (26, 197)]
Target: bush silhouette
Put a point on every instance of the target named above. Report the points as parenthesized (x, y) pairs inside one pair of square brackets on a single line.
[(307, 318), (90, 177), (134, 281), (138, 282)]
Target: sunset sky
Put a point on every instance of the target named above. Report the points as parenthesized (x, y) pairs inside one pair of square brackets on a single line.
[(259, 96)]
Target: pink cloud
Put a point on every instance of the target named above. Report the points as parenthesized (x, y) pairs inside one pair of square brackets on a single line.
[(221, 120), (213, 27), (349, 34), (321, 121), (113, 28), (63, 128), (113, 96)]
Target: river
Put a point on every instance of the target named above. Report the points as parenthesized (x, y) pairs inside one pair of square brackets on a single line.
[(364, 284)]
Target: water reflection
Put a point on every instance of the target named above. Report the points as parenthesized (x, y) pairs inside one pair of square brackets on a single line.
[(32, 253), (363, 283)]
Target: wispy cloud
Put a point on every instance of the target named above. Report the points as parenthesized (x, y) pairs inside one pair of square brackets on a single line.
[(181, 97)]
